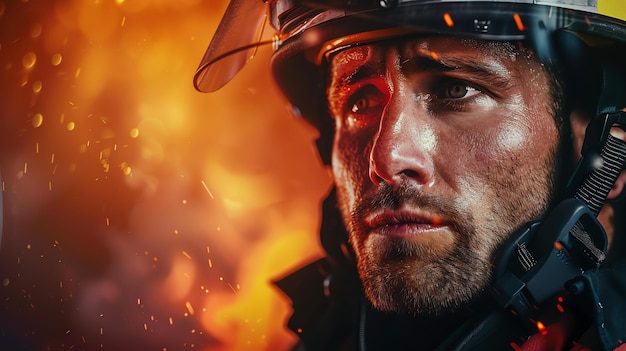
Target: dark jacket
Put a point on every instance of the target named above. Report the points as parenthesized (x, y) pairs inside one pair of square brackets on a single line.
[(331, 312)]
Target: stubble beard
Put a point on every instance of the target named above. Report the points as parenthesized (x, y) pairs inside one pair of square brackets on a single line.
[(404, 277)]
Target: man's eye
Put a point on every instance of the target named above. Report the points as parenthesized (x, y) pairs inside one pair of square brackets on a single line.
[(458, 90), (364, 107)]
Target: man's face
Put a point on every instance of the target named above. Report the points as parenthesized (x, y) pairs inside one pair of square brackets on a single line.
[(443, 147)]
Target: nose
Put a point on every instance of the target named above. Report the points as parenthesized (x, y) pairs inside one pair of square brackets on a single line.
[(404, 145)]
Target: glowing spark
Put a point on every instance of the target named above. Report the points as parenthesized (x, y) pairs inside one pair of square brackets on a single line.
[(515, 346), (6, 282), (189, 308), (35, 30), (36, 148), (52, 159), (56, 59), (434, 56), (558, 245), (208, 250), (25, 167), (29, 60), (37, 120), (171, 321), (518, 22), (560, 308), (134, 133), (37, 86), (77, 73), (108, 221), (186, 254), (207, 190), (70, 126), (123, 18), (210, 263), (176, 231), (145, 326), (49, 185), (139, 301), (448, 19), (101, 331), (542, 328)]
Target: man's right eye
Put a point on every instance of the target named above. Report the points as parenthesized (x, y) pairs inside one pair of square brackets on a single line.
[(364, 107)]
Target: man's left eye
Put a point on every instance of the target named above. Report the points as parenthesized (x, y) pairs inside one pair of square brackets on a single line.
[(458, 90)]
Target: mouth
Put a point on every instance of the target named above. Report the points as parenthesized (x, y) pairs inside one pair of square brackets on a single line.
[(404, 223)]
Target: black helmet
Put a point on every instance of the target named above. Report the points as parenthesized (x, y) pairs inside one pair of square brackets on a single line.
[(307, 30)]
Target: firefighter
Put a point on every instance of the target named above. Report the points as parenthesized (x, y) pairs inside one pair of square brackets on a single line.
[(477, 154)]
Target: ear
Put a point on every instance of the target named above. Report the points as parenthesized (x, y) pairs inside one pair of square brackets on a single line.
[(617, 188)]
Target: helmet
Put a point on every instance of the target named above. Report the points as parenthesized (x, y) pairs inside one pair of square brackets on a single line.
[(570, 34)]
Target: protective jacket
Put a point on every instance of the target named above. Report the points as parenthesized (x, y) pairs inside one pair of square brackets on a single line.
[(330, 311)]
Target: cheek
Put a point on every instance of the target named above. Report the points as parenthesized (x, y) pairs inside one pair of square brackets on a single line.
[(350, 165)]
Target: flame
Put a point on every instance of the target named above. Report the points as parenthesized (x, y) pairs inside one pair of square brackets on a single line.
[(170, 211)]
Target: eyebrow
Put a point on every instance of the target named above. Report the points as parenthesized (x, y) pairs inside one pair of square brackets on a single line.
[(494, 75), (338, 84)]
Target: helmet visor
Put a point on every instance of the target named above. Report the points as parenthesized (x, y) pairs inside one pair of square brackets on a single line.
[(234, 43)]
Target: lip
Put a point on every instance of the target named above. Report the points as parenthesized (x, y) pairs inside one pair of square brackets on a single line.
[(405, 223)]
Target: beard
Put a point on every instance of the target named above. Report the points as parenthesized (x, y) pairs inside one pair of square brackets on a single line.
[(407, 277), (399, 275)]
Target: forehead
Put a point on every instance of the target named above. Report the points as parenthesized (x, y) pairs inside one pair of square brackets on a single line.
[(449, 51)]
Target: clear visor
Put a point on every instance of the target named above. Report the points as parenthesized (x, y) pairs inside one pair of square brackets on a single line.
[(242, 29), (238, 36)]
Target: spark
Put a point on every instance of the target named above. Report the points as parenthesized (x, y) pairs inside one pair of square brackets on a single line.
[(37, 120), (207, 190), (189, 308), (37, 86), (134, 133), (56, 59), (171, 321), (448, 19), (210, 263), (29, 60), (542, 328), (123, 18), (518, 22), (186, 254)]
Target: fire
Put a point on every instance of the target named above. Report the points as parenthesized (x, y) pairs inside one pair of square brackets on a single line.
[(145, 210)]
